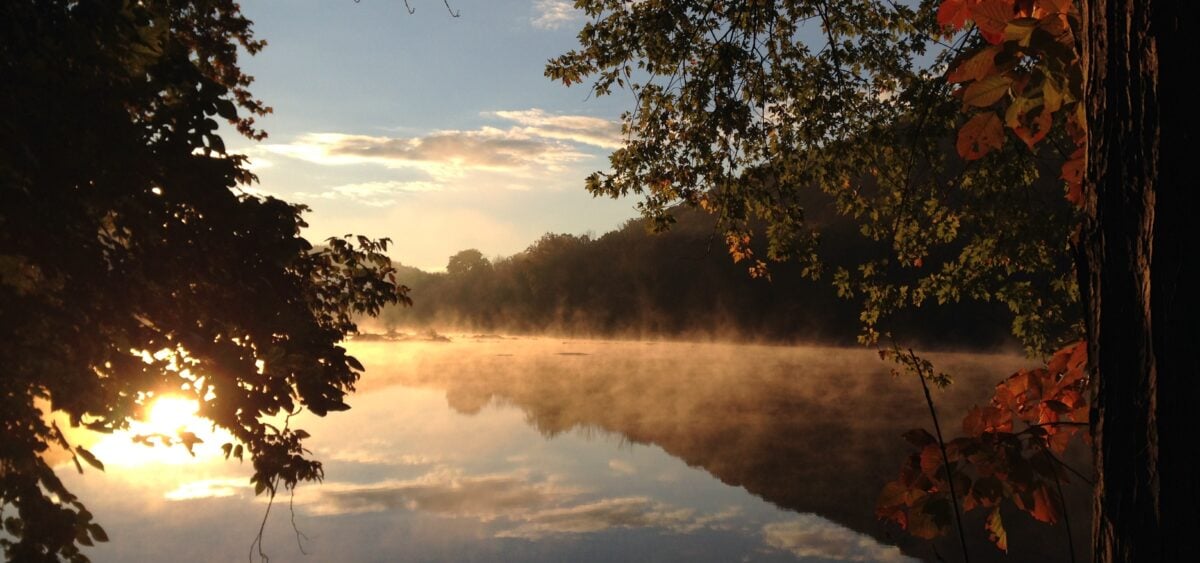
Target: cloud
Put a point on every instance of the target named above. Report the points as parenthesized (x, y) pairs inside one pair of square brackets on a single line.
[(441, 153), (575, 128), (526, 507), (621, 512), (443, 491), (815, 537), (553, 14), (621, 467), (210, 488), (375, 194)]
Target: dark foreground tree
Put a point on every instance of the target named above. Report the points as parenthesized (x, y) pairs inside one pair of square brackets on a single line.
[(740, 106), (132, 263), (1142, 275)]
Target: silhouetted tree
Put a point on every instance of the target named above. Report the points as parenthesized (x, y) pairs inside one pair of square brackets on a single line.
[(124, 232)]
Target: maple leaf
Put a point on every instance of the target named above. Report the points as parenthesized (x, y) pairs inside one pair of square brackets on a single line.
[(980, 135)]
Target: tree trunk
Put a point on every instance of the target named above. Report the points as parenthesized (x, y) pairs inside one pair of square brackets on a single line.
[(1141, 282)]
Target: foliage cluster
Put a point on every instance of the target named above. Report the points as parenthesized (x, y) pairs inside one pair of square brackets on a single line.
[(743, 108), (132, 263)]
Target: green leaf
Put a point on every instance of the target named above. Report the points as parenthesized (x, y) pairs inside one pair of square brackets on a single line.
[(983, 93)]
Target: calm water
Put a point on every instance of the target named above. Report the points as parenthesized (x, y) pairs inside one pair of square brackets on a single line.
[(496, 448)]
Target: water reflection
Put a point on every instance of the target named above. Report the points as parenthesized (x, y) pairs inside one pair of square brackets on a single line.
[(574, 450)]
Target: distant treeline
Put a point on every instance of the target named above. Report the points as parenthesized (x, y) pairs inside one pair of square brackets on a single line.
[(681, 283)]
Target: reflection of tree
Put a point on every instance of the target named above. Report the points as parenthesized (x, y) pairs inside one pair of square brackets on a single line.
[(789, 425)]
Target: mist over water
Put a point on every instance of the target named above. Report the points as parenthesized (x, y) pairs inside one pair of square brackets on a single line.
[(486, 447)]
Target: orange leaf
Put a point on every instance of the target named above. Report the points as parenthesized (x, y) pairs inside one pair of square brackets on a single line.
[(976, 67), (991, 17), (979, 136), (1045, 507), (1037, 129), (953, 14), (983, 93)]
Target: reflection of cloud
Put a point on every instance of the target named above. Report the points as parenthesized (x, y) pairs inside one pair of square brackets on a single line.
[(376, 194), (813, 536), (575, 128), (625, 512), (622, 467), (443, 491), (210, 488), (553, 14), (440, 153), (535, 508), (377, 452)]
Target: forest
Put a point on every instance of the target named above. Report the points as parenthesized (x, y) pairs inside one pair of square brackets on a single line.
[(635, 283)]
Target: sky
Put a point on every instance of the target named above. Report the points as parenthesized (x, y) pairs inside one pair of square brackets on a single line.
[(441, 133)]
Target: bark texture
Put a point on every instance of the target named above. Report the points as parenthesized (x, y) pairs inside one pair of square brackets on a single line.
[(1141, 278)]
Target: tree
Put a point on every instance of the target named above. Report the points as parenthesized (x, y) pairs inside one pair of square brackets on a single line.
[(740, 106), (1141, 273), (133, 264)]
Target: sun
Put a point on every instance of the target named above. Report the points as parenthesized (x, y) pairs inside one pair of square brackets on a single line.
[(165, 418), (170, 414)]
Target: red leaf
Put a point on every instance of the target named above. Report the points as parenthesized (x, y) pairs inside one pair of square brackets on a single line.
[(953, 14), (991, 17), (980, 135)]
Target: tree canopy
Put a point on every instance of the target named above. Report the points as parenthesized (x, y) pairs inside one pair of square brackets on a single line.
[(133, 263), (743, 108)]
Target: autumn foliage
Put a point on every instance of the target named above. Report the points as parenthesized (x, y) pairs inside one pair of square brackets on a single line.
[(1024, 76), (1009, 452)]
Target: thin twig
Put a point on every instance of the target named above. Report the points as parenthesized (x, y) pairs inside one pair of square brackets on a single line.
[(1062, 498), (962, 538)]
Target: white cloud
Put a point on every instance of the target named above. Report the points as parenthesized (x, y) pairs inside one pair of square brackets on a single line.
[(375, 194), (527, 507), (441, 153), (210, 488), (553, 14), (810, 536), (622, 467), (575, 128)]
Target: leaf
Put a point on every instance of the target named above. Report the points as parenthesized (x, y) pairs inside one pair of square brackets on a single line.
[(1052, 95), (1045, 506), (980, 135), (354, 363), (991, 17), (996, 532), (953, 14), (88, 457), (1037, 129), (189, 439), (919, 437), (931, 461), (1020, 31), (97, 532), (976, 66), (983, 93)]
